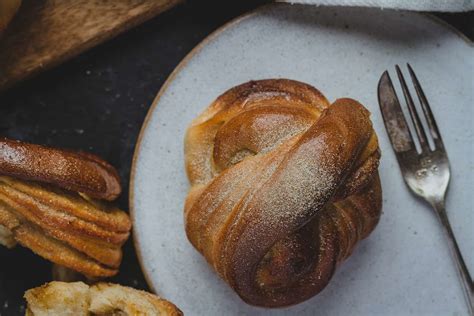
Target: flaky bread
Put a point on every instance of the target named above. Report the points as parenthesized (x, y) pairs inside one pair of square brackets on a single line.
[(283, 185), (58, 298), (77, 299)]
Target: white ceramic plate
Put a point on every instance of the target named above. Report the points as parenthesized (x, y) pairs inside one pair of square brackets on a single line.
[(404, 267)]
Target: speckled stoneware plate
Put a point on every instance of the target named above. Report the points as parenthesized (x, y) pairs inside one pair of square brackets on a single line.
[(404, 267)]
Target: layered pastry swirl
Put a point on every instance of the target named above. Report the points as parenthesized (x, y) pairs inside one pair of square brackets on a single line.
[(49, 202), (283, 185)]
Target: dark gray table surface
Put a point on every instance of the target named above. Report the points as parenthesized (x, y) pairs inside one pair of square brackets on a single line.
[(98, 101)]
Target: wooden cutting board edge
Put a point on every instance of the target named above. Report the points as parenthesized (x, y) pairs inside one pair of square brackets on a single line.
[(7, 81)]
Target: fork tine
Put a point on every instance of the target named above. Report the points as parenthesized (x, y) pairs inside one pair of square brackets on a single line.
[(394, 120), (433, 127), (413, 112)]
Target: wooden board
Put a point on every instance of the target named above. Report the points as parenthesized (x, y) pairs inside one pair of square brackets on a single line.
[(45, 33)]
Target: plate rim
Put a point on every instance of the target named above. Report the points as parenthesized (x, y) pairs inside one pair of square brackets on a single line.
[(172, 76)]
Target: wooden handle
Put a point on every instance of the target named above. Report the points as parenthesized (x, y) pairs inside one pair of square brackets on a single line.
[(48, 32)]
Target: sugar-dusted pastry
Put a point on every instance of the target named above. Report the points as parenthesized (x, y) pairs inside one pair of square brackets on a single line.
[(283, 185), (46, 205), (80, 299)]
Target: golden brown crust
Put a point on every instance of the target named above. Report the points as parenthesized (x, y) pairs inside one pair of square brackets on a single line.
[(283, 186), (107, 298), (102, 214), (64, 227), (77, 298), (76, 171), (56, 251)]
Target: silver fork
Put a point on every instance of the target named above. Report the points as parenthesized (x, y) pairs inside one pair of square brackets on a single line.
[(425, 170)]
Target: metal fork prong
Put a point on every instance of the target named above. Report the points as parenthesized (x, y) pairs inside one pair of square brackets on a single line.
[(433, 127), (413, 112), (427, 174), (393, 117)]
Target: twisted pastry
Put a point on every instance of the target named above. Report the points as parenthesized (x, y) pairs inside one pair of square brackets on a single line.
[(283, 185), (75, 171), (77, 298), (65, 227)]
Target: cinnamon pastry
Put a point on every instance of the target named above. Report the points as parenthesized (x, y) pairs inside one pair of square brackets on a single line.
[(76, 171), (68, 228), (77, 298), (283, 185)]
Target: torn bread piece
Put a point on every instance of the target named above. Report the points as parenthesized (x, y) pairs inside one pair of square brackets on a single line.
[(107, 299)]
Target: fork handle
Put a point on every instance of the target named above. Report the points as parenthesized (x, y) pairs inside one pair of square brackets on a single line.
[(463, 272)]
